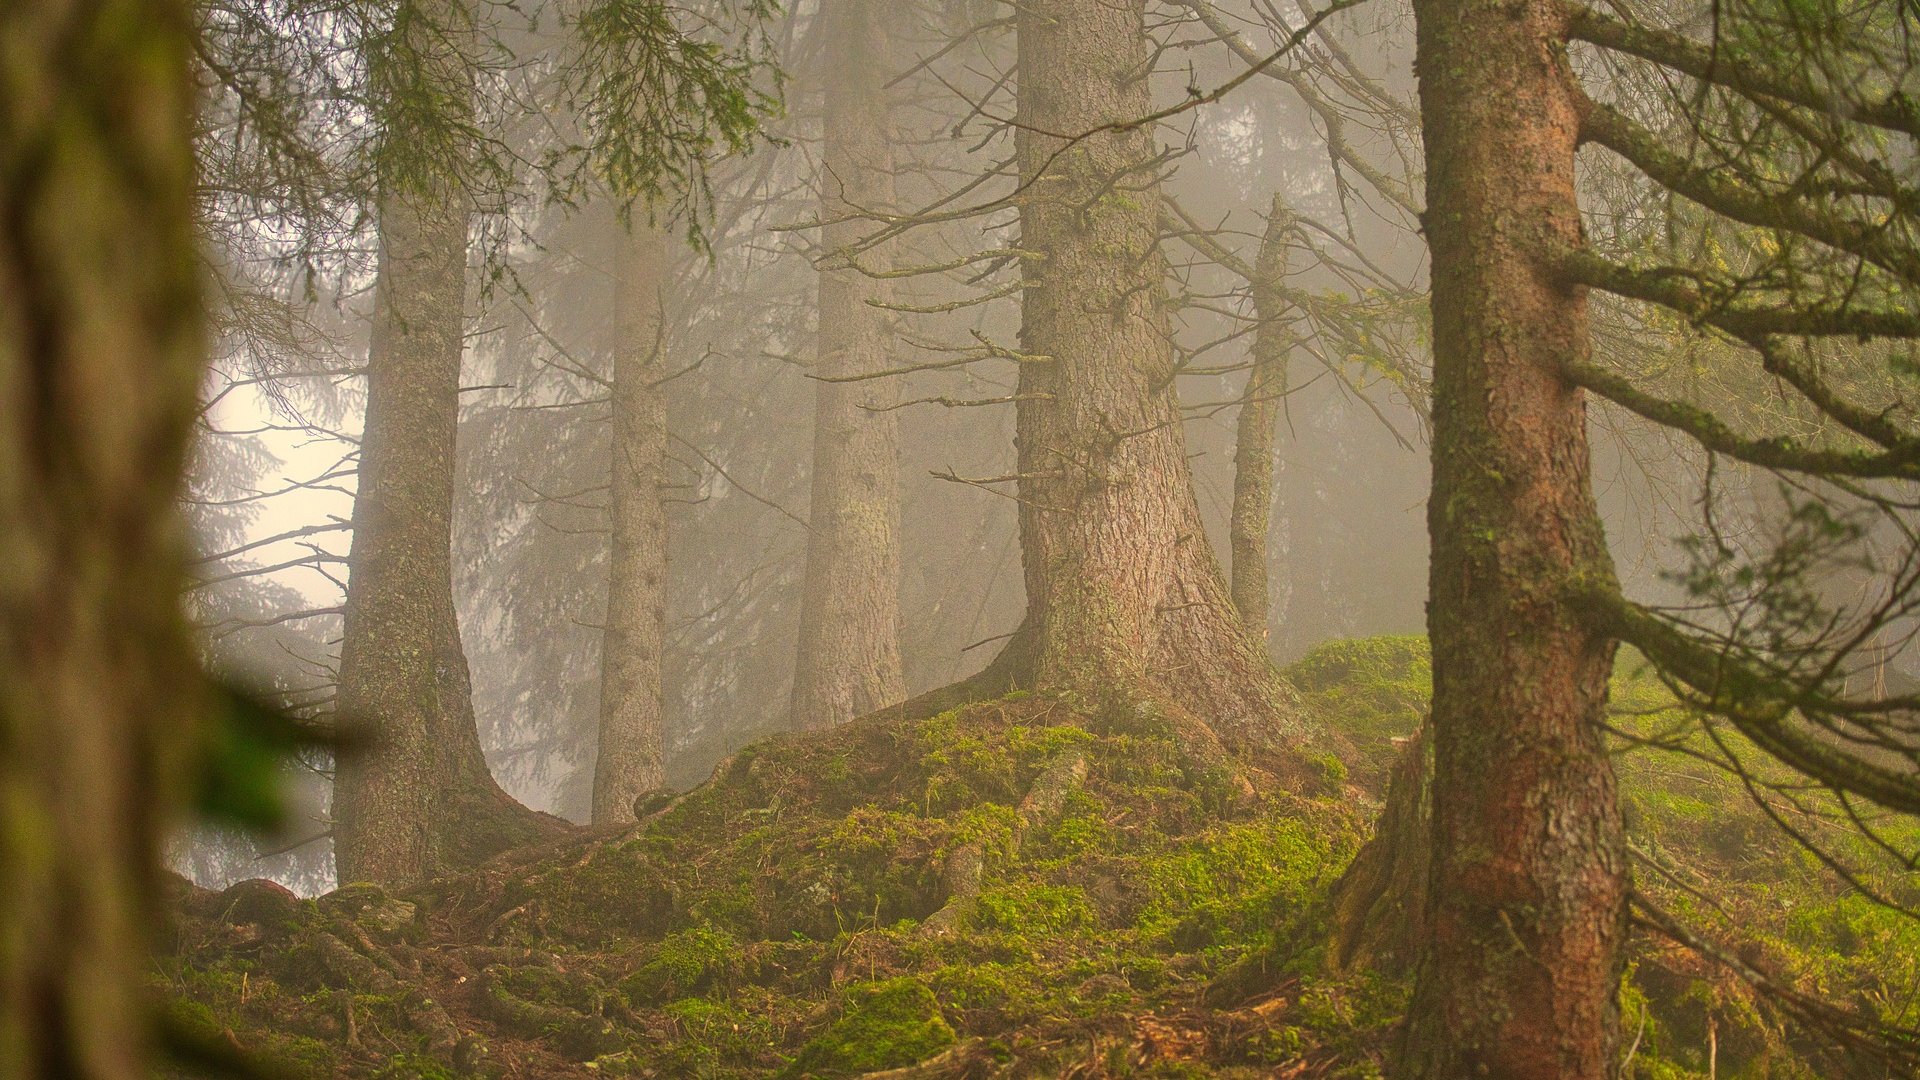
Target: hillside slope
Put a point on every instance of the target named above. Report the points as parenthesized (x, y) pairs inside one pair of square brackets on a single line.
[(1036, 886)]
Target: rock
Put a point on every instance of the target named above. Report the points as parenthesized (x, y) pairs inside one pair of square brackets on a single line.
[(258, 902)]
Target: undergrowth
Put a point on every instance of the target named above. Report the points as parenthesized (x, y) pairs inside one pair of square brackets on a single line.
[(772, 922)]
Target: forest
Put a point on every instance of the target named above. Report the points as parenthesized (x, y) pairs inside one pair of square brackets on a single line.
[(959, 539)]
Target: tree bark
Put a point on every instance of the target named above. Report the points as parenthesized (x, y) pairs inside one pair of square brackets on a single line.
[(1526, 908), (849, 649), (632, 747), (1253, 462), (1379, 906), (101, 353), (420, 800), (1122, 586)]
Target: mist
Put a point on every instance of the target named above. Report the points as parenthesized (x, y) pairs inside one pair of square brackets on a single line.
[(956, 538)]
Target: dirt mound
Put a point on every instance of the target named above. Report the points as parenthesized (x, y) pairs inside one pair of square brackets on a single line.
[(1025, 887), (1037, 886)]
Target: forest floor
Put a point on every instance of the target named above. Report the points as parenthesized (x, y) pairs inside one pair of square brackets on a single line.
[(1039, 886)]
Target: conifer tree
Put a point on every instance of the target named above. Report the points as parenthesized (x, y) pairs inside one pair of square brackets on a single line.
[(1786, 241)]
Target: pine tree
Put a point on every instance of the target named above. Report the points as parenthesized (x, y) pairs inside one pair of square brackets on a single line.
[(849, 653), (1774, 128)]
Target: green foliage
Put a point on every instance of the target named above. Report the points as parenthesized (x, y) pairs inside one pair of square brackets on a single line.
[(885, 1025), (246, 747), (659, 99)]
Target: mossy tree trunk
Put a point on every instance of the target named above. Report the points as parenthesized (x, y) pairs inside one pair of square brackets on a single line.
[(101, 354), (1526, 912), (1379, 906), (420, 799), (849, 649), (1253, 459), (632, 745), (1122, 587)]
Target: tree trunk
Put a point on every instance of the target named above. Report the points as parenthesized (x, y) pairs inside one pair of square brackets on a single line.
[(420, 800), (1526, 912), (100, 361), (1379, 905), (631, 761), (849, 650), (1122, 586), (1253, 464)]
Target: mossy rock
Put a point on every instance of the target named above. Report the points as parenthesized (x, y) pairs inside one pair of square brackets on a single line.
[(885, 1025)]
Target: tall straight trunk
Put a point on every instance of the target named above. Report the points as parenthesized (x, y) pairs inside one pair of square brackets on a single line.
[(1253, 464), (1122, 587), (100, 360), (849, 649), (631, 761), (420, 800), (1526, 905)]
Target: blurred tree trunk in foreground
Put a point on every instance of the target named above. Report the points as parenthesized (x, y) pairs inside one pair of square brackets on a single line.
[(100, 359), (849, 654), (632, 738)]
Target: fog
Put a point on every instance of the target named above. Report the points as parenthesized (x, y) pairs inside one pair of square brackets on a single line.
[(949, 539), (274, 475)]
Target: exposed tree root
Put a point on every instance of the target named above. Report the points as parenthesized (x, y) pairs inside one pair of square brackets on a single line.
[(1378, 906), (966, 865), (346, 966), (963, 1061), (1013, 669), (579, 1033)]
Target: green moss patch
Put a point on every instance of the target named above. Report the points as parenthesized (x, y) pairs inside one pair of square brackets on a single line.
[(885, 1026)]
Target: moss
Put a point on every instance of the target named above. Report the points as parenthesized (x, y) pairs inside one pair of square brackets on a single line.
[(412, 1066), (626, 894), (299, 1055), (1352, 1015), (993, 994), (561, 1009), (576, 990), (1080, 831), (885, 1025), (993, 826), (1374, 690), (1037, 910), (1237, 882), (1331, 768), (191, 1020), (686, 962)]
